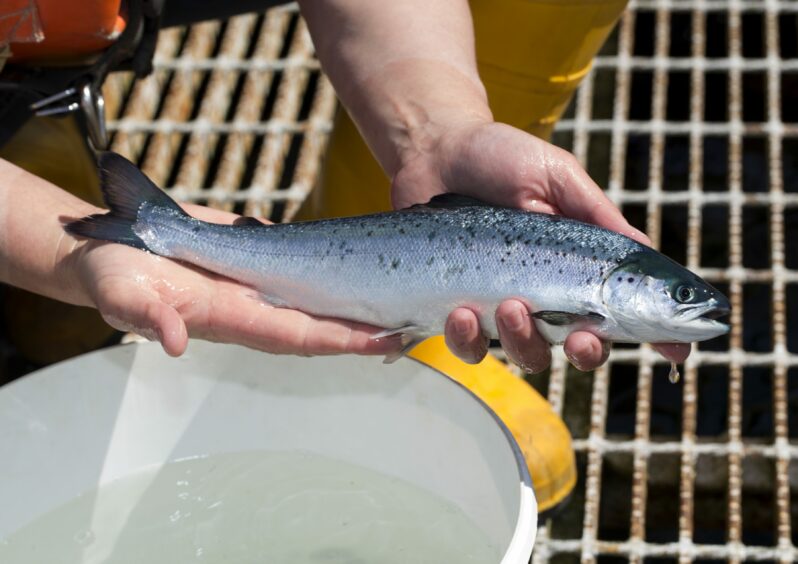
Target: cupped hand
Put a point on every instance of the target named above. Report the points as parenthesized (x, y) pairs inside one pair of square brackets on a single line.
[(506, 166), (168, 301)]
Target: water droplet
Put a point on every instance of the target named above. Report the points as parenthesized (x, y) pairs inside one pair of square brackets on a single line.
[(174, 516), (84, 538), (673, 375)]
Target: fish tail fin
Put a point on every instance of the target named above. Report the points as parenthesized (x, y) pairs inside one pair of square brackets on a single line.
[(125, 189)]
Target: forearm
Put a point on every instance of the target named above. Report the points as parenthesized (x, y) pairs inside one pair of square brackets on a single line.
[(406, 71), (35, 252)]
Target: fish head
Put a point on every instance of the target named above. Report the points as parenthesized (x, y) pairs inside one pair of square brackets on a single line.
[(656, 300)]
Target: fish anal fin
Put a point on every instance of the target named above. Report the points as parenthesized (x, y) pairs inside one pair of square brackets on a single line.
[(561, 318), (410, 336)]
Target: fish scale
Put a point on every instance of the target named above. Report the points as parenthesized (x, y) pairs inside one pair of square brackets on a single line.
[(407, 270)]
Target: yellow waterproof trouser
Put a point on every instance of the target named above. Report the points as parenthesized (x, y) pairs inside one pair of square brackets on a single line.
[(531, 56)]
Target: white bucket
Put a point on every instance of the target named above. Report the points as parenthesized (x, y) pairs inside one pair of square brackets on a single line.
[(86, 422)]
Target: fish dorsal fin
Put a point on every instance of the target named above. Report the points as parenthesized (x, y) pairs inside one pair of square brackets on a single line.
[(451, 201)]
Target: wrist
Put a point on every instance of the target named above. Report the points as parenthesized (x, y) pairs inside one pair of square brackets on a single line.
[(421, 104)]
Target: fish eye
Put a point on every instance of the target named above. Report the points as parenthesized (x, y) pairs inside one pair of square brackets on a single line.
[(684, 294)]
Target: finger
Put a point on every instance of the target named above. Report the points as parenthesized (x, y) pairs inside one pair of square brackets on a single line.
[(520, 339), (151, 319), (575, 193), (674, 352), (212, 215), (586, 351), (236, 316), (464, 337)]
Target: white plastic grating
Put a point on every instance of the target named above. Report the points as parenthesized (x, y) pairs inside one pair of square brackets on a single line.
[(678, 486), (690, 119)]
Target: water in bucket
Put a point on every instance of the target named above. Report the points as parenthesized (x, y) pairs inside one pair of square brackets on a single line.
[(253, 506)]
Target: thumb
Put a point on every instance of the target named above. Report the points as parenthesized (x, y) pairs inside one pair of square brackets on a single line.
[(152, 319)]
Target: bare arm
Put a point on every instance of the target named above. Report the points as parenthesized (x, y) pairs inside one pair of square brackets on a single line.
[(137, 291), (406, 72), (35, 252)]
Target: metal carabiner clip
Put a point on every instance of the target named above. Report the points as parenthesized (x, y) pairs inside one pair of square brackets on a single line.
[(85, 98)]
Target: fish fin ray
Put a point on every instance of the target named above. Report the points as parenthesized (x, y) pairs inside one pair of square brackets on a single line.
[(409, 342), (403, 330), (560, 318), (125, 189), (410, 336), (273, 301)]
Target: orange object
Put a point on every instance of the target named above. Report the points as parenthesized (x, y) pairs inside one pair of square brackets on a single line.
[(71, 28)]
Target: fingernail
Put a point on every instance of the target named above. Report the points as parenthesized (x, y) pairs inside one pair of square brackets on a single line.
[(575, 361), (462, 327), (514, 320)]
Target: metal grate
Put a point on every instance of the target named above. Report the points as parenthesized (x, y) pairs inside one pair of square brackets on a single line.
[(235, 115), (689, 119)]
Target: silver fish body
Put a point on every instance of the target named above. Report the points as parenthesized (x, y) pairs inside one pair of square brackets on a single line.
[(407, 270)]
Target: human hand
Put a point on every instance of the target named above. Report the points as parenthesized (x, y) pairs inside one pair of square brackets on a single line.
[(506, 166), (168, 301)]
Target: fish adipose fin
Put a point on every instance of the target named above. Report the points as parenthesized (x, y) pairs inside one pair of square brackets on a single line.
[(245, 221), (560, 318), (125, 189), (410, 338)]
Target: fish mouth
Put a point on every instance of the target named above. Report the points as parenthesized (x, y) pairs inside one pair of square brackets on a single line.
[(704, 319), (717, 313)]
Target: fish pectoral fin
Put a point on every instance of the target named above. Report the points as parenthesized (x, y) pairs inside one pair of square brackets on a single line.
[(410, 336), (560, 318), (273, 301)]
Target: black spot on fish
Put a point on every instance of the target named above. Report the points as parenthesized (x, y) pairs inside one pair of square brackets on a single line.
[(630, 280), (573, 249), (595, 257), (503, 259), (395, 263), (620, 279), (430, 260), (432, 235), (401, 230), (382, 259), (370, 233), (561, 271), (509, 253), (478, 267), (523, 263)]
